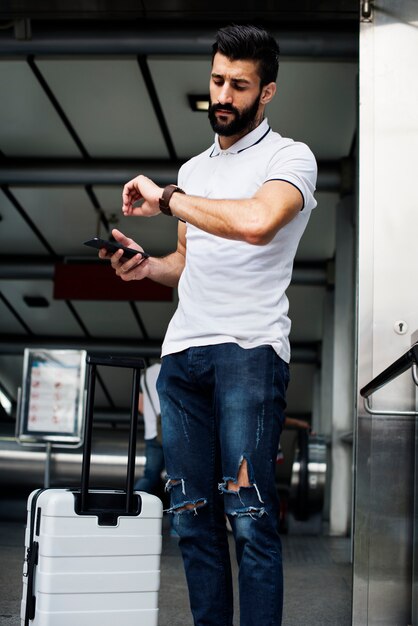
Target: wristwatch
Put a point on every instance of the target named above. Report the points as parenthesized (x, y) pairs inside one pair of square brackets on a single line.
[(164, 202)]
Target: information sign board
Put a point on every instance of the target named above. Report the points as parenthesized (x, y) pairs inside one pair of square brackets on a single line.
[(51, 407)]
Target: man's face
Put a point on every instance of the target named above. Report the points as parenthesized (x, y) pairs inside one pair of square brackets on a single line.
[(235, 96)]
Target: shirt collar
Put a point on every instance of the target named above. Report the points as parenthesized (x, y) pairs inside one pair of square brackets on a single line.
[(249, 140)]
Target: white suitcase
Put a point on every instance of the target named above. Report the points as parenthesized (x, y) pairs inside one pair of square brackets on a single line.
[(93, 556)]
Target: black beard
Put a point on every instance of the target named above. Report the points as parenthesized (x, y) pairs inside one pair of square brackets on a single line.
[(243, 121)]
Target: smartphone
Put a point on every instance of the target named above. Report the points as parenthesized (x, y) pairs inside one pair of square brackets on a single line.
[(113, 246)]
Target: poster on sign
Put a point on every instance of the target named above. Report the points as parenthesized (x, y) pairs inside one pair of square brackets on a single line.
[(51, 407)]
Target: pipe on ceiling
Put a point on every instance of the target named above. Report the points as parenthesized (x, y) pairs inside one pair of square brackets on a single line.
[(43, 268), (307, 353), (116, 172), (60, 39)]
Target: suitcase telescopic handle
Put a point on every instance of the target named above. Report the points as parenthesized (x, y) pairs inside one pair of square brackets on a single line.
[(136, 364), (116, 360)]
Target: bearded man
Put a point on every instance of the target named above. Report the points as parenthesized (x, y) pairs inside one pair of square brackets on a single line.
[(242, 207)]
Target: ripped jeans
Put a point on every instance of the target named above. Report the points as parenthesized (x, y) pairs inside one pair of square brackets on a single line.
[(222, 412)]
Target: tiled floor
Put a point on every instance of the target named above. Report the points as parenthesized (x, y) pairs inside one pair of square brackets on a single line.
[(317, 580)]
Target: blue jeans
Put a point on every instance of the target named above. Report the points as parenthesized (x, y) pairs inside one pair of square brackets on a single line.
[(222, 405), (154, 465)]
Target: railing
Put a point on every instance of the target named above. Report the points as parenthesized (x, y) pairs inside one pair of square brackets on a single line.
[(398, 367)]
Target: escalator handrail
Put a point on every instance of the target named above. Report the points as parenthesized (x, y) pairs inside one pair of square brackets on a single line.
[(394, 370)]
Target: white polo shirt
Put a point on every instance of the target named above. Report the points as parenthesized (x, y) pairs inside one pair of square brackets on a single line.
[(232, 291)]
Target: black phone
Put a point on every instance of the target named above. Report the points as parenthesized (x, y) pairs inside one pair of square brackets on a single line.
[(113, 246)]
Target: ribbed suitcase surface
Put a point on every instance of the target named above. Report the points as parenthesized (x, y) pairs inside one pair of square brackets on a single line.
[(91, 575)]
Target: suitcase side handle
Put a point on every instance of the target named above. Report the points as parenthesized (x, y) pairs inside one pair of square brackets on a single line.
[(32, 562), (31, 559), (114, 361)]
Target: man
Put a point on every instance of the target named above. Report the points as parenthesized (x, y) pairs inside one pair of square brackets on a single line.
[(243, 205)]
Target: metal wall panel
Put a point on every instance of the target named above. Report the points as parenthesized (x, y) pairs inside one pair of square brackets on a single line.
[(388, 258)]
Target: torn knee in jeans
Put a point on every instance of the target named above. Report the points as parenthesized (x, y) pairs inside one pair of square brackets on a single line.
[(177, 487), (242, 480), (243, 496), (187, 506)]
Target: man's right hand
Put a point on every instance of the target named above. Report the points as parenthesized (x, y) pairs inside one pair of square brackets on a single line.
[(144, 190)]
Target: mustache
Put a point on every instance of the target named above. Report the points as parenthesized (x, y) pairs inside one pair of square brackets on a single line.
[(223, 107)]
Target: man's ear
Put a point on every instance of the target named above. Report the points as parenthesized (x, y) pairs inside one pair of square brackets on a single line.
[(268, 92)]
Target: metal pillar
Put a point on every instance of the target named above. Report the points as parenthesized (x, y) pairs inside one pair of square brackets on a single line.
[(388, 305), (343, 371)]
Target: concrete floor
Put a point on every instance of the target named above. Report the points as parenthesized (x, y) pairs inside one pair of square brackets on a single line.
[(317, 579)]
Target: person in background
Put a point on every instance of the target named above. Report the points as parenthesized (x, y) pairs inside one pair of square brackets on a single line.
[(283, 478), (242, 207), (149, 406), (293, 422)]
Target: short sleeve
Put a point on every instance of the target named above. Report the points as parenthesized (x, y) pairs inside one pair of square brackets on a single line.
[(296, 164)]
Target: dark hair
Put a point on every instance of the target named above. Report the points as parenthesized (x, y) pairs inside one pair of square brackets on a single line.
[(249, 42)]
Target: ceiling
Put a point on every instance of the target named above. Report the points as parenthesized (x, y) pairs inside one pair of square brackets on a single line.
[(95, 95)]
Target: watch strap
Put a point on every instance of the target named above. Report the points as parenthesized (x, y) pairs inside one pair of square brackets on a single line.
[(164, 202)]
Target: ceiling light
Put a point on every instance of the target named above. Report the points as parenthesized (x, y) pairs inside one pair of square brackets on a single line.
[(199, 103), (5, 403), (36, 301)]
